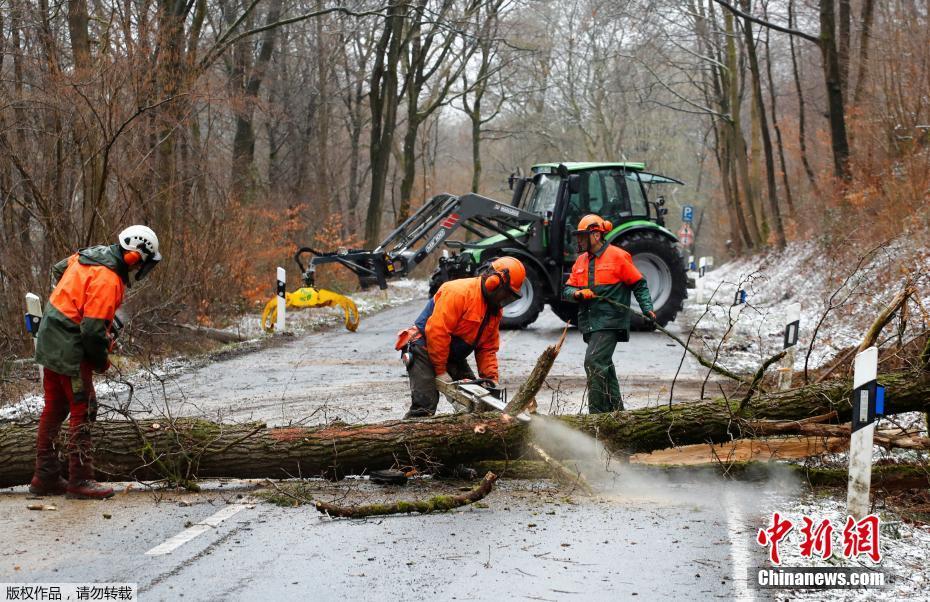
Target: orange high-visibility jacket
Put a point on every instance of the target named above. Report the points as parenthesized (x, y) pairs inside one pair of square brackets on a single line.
[(80, 311), (611, 274), (459, 309)]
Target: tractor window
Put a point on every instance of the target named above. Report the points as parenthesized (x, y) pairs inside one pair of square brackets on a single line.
[(590, 199), (545, 192), (618, 205), (637, 197)]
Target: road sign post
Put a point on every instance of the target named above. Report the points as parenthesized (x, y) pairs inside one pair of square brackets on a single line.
[(790, 341), (868, 403), (281, 292)]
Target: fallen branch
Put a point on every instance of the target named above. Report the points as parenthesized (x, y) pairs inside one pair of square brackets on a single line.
[(562, 472), (757, 378), (437, 503), (700, 358), (526, 394), (215, 334), (889, 439), (885, 316)]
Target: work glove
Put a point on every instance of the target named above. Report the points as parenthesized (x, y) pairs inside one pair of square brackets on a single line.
[(650, 317), (584, 294), (444, 377)]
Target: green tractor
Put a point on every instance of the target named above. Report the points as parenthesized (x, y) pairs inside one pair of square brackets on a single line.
[(535, 227), (562, 194)]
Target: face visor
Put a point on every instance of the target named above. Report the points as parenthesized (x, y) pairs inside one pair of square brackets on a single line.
[(148, 264)]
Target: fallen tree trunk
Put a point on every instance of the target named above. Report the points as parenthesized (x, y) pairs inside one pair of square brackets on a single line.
[(189, 449)]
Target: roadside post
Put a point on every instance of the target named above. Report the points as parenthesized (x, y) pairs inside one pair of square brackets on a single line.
[(868, 403), (739, 303), (699, 285), (33, 319), (282, 281), (790, 341)]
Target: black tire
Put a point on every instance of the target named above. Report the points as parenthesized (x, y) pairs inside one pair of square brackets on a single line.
[(524, 311), (567, 312), (661, 262)]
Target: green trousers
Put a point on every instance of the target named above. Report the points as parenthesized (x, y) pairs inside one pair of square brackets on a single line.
[(603, 388)]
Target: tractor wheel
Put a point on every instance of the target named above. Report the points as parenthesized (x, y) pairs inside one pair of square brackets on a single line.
[(524, 311), (660, 262), (567, 312)]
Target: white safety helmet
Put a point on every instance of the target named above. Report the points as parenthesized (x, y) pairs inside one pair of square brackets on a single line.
[(142, 239)]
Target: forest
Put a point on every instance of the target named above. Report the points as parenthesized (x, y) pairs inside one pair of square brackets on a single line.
[(241, 129)]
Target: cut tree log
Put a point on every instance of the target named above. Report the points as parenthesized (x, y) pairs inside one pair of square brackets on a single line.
[(186, 449)]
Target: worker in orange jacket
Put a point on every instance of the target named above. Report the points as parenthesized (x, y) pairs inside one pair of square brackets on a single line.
[(74, 341), (462, 317), (601, 281)]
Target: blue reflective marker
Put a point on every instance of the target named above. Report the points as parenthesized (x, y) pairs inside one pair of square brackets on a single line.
[(879, 400)]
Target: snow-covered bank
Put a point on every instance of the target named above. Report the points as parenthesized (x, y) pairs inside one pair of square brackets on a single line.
[(844, 293)]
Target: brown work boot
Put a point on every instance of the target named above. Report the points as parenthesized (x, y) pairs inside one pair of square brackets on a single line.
[(40, 486), (88, 490)]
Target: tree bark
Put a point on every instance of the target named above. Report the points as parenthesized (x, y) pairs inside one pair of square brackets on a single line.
[(187, 449), (802, 133), (833, 79), (868, 10), (767, 150), (382, 102)]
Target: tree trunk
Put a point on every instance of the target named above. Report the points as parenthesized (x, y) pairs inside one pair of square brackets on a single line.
[(767, 151), (778, 139), (382, 101), (802, 135), (193, 448), (833, 80), (868, 10)]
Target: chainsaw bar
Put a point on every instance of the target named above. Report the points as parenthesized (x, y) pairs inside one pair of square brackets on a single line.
[(482, 400)]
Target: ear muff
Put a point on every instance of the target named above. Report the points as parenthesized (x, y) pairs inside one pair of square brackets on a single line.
[(132, 257), (496, 279), (608, 226)]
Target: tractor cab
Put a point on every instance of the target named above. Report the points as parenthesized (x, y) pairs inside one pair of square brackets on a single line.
[(565, 192)]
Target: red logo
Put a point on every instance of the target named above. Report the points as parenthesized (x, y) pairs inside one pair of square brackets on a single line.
[(773, 535), (451, 220), (860, 538)]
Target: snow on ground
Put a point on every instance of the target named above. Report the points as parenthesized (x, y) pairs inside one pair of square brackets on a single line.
[(802, 273), (248, 327), (805, 273)]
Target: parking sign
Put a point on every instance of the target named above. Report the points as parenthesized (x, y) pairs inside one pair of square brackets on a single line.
[(687, 213)]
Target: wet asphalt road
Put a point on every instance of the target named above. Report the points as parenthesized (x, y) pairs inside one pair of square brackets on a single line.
[(358, 377), (531, 541)]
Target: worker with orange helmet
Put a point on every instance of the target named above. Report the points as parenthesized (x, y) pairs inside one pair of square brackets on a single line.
[(462, 318), (601, 282)]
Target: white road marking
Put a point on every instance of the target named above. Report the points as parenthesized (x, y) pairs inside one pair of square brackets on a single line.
[(211, 522), (739, 550)]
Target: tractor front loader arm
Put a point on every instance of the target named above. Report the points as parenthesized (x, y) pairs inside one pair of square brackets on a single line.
[(421, 234)]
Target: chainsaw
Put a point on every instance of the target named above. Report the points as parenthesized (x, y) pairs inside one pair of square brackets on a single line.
[(478, 395)]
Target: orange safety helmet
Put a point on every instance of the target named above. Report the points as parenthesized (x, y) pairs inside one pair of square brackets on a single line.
[(593, 223), (506, 270)]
